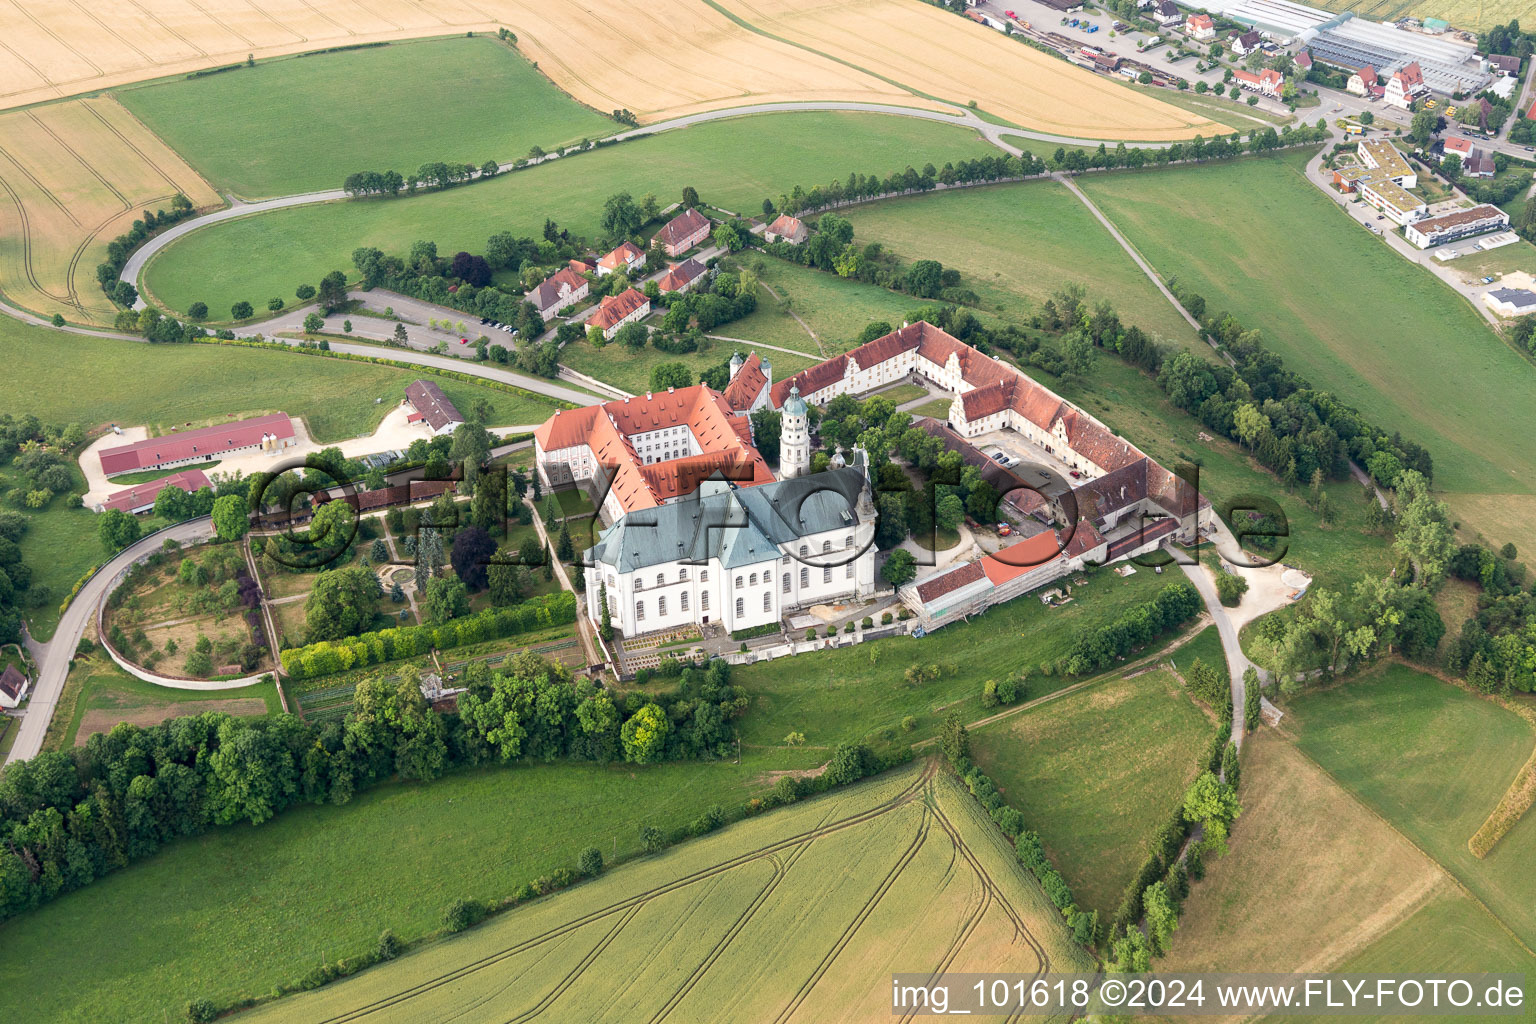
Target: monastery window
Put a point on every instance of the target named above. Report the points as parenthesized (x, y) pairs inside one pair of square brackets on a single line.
[(848, 571), (685, 600), (826, 574), (741, 607), (752, 580), (848, 541), (703, 575), (805, 577), (682, 574), (661, 606), (826, 547), (738, 582), (661, 580), (704, 601), (786, 583), (804, 551), (639, 611), (767, 600)]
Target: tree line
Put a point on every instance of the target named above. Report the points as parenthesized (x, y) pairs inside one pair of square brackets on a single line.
[(70, 817), (435, 174), (120, 248)]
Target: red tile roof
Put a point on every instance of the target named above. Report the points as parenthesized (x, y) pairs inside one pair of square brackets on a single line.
[(951, 581), (682, 227), (621, 257), (724, 439), (1367, 75), (191, 444), (745, 386), (787, 226), (1411, 76), (1017, 559), (189, 480), (615, 308)]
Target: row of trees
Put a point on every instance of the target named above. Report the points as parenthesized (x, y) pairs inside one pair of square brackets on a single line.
[(121, 247), (70, 817), (434, 174), (1095, 648), (1496, 647)]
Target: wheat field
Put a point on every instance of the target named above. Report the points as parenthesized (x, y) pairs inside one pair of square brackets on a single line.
[(658, 58), (73, 175)]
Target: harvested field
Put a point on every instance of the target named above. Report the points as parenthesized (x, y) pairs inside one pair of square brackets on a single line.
[(934, 53), (612, 54), (1343, 876), (102, 720), (797, 915), (1470, 15), (73, 176)]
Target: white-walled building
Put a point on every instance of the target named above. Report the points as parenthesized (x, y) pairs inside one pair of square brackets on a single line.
[(433, 408), (737, 556), (563, 288), (751, 380)]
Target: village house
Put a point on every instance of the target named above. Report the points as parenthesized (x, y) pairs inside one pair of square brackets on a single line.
[(13, 687), (270, 433), (680, 277), (628, 257), (683, 232), (786, 229), (1504, 64), (1303, 60), (1168, 13), (141, 497), (1364, 83), (1405, 86), (563, 288), (628, 307), (1248, 42), (1201, 27), (432, 408)]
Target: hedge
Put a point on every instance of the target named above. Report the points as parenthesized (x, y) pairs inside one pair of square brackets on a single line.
[(331, 656)]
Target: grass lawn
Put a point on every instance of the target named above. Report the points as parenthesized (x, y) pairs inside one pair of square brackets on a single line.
[(1239, 115), (1096, 772), (1020, 241), (631, 371), (860, 692), (322, 882), (938, 409), (736, 163), (1207, 647), (244, 129), (1434, 761), (835, 308), (903, 393), (95, 381), (1254, 237), (97, 684)]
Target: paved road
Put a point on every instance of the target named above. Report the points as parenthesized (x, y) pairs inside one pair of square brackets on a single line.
[(1237, 661), (53, 658)]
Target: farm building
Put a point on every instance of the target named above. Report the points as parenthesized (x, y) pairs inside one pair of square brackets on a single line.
[(1511, 301), (642, 452), (432, 407), (1460, 224), (628, 307), (183, 448), (683, 232), (560, 289), (628, 257), (683, 276), (787, 229), (141, 497)]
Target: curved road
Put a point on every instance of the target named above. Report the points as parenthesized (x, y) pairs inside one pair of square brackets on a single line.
[(53, 658), (962, 118)]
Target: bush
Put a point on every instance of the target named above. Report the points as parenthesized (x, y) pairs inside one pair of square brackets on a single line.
[(388, 947), (885, 620), (1230, 588), (1007, 691), (462, 914), (652, 839), (908, 723), (989, 694), (590, 863), (201, 1011), (786, 790)]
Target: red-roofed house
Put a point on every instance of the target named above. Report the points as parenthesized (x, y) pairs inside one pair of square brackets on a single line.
[(1266, 83), (615, 311), (1201, 27), (1458, 145), (628, 257), (654, 449), (560, 289), (682, 276), (141, 497), (787, 229), (1362, 82), (1405, 86), (1304, 60), (183, 448), (683, 232)]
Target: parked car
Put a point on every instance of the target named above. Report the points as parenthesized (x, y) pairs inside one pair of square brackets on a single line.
[(1004, 530)]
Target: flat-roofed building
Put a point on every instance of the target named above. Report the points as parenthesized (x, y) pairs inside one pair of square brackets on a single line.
[(1450, 227)]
